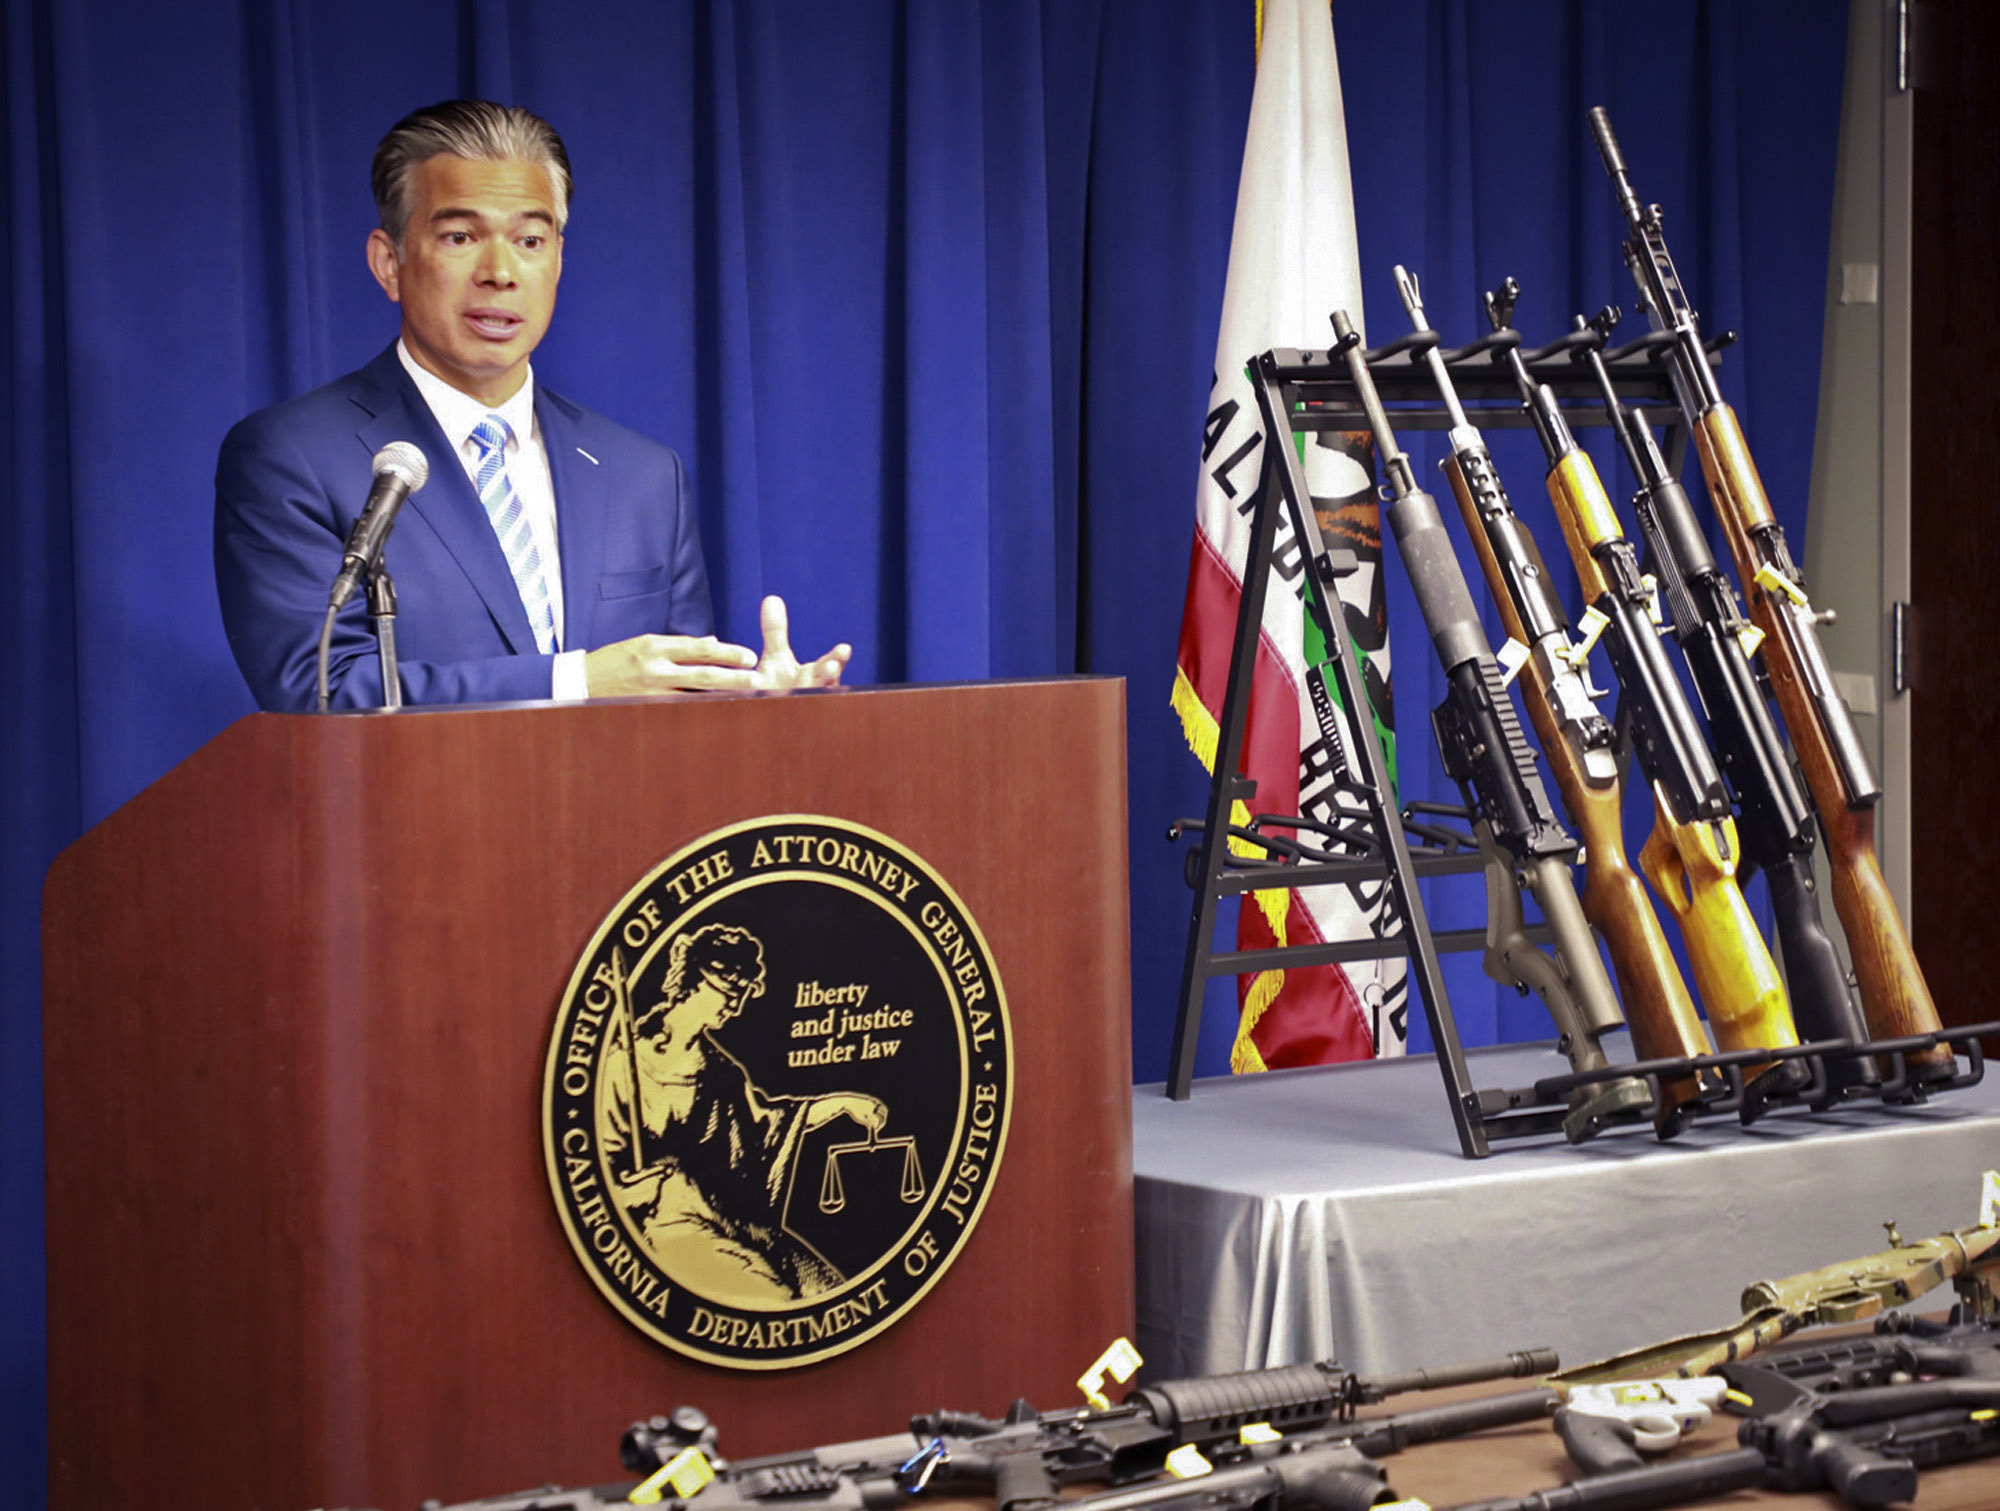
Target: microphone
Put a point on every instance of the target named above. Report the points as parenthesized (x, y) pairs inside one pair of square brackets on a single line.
[(400, 470)]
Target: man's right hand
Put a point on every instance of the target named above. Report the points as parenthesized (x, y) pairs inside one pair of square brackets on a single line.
[(669, 663)]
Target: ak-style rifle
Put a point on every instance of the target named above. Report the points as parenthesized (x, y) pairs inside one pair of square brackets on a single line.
[(1690, 857), (1774, 816), (1479, 736), (1853, 1290), (1894, 996)]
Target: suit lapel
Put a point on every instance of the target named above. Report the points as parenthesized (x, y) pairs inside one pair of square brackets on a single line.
[(578, 478), (446, 502)]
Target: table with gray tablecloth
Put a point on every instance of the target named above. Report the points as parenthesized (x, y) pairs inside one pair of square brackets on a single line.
[(1319, 1213)]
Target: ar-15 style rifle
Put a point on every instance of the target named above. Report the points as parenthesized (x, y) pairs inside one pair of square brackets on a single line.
[(1690, 857), (1844, 790), (1319, 1459), (1026, 1457), (1775, 816), (1479, 737)]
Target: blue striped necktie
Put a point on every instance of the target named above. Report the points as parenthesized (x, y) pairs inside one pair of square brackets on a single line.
[(510, 524)]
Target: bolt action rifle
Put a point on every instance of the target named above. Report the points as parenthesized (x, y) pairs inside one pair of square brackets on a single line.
[(1690, 857), (1479, 737), (1774, 815), (1894, 996)]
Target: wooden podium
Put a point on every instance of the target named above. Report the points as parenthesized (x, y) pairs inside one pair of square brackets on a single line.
[(302, 1249)]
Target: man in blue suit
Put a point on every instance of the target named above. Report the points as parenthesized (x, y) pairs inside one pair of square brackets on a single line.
[(551, 553)]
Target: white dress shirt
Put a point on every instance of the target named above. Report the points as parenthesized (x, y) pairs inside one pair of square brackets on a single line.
[(527, 462)]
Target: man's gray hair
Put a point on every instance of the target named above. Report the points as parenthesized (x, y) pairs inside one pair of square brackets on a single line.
[(476, 129)]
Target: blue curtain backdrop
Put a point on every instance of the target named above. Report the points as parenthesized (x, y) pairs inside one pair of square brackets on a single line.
[(926, 294)]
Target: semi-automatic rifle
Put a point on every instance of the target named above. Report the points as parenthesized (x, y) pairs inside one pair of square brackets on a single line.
[(1690, 857), (1026, 1457), (1844, 790), (1774, 816), (1859, 1417), (1576, 739), (1479, 736), (1853, 1290), (1286, 1437)]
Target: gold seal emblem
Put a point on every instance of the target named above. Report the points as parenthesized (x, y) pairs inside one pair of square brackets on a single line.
[(777, 1093)]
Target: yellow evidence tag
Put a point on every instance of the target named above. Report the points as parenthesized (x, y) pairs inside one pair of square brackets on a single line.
[(685, 1474), (1120, 1361), (1186, 1463)]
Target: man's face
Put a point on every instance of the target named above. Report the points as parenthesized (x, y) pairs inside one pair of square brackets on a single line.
[(477, 278)]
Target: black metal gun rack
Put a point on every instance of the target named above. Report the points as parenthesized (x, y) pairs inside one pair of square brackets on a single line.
[(1371, 839)]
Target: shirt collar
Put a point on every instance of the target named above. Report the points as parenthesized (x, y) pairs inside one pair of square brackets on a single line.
[(458, 414)]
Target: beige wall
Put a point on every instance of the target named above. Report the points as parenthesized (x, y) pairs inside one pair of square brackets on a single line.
[(1856, 555)]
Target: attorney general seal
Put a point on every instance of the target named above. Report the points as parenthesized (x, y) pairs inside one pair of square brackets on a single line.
[(777, 1093)]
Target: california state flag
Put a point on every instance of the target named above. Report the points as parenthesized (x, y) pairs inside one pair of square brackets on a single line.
[(1292, 263)]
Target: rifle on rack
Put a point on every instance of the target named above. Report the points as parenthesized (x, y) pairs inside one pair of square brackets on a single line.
[(1690, 857), (1479, 737), (1844, 790), (1576, 739), (1775, 816)]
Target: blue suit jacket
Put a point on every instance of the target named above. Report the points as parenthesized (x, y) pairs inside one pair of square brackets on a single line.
[(291, 480)]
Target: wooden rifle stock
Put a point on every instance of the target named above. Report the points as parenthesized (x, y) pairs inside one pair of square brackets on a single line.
[(1894, 995), (1690, 862), (1894, 998), (1696, 878)]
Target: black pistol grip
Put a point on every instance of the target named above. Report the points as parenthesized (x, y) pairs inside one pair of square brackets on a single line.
[(1331, 1479), (1861, 1476), (1021, 1482), (1821, 1003), (1597, 1445)]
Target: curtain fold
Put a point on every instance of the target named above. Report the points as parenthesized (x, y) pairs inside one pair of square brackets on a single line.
[(925, 295)]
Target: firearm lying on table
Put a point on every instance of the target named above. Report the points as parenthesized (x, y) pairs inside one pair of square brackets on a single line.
[(1285, 1437), (1853, 1290), (1858, 1416)]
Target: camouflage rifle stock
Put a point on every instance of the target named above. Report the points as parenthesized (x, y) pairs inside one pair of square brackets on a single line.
[(1844, 790), (1690, 858), (1853, 1290), (1774, 815), (1479, 737)]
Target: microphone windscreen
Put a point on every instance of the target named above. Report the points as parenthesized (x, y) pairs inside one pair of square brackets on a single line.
[(406, 460)]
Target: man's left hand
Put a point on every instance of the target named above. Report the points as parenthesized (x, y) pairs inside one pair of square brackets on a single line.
[(778, 668)]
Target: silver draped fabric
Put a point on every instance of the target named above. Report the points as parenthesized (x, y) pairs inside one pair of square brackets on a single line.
[(1327, 1213)]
